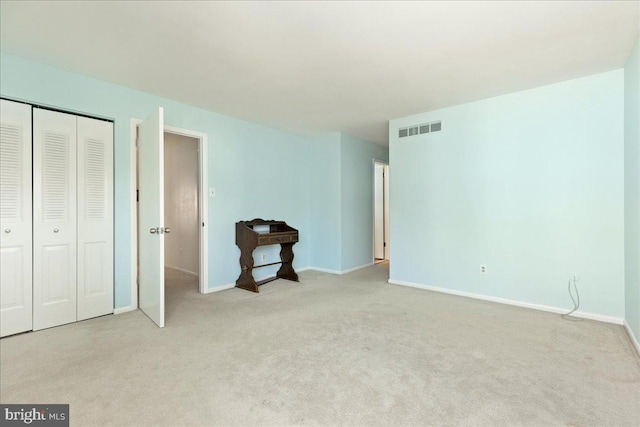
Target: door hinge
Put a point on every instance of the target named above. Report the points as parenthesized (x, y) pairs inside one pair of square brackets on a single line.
[(203, 224), (137, 195), (385, 244)]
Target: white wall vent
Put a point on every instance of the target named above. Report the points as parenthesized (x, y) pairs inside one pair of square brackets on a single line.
[(420, 129)]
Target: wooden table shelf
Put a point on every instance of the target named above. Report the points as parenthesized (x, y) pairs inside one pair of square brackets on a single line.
[(248, 238)]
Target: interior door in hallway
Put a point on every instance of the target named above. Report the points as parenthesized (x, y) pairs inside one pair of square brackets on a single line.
[(378, 200), (151, 216), (381, 211)]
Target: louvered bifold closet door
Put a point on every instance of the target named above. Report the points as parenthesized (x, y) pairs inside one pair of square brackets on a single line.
[(54, 218), (15, 218), (95, 218)]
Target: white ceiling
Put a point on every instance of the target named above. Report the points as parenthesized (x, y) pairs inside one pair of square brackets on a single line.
[(312, 67)]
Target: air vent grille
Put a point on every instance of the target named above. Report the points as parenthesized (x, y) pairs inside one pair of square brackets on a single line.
[(420, 129)]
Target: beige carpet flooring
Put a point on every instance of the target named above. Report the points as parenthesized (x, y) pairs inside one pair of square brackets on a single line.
[(346, 350)]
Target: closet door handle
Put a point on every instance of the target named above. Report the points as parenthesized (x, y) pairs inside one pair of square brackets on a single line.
[(55, 230), (167, 230), (155, 230)]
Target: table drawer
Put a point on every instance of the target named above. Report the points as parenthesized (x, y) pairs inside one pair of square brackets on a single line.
[(279, 239)]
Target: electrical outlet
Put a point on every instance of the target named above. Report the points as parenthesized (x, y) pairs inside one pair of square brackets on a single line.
[(483, 269), (264, 257)]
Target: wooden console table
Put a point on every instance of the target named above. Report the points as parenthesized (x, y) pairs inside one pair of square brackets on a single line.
[(248, 239)]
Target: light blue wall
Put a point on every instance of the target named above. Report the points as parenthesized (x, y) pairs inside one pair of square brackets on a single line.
[(530, 184), (325, 219), (342, 201), (257, 171), (632, 188), (357, 199)]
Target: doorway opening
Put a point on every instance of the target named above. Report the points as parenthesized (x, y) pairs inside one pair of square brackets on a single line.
[(177, 239), (381, 241), (181, 208)]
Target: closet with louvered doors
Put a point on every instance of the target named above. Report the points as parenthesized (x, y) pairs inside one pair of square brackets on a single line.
[(72, 220)]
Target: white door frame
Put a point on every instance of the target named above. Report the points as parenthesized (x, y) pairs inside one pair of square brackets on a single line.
[(202, 206), (386, 199)]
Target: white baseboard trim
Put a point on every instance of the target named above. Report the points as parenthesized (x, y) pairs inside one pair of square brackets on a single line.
[(182, 270), (360, 267), (124, 309), (326, 270), (298, 270), (632, 337), (582, 314), (219, 288), (233, 285)]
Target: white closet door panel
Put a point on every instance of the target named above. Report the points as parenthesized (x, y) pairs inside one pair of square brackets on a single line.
[(95, 218), (54, 218), (15, 218)]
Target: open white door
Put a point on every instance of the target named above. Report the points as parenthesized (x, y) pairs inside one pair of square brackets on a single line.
[(151, 216)]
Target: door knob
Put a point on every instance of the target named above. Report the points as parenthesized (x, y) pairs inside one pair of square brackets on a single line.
[(154, 230), (55, 230), (167, 230), (7, 230)]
